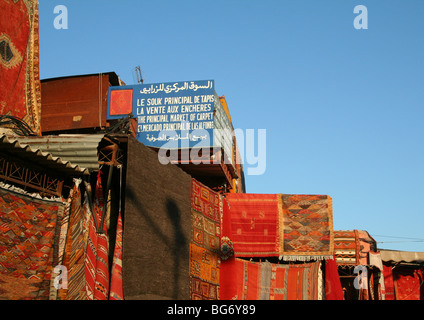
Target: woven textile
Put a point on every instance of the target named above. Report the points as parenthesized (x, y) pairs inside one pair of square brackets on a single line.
[(367, 244), (96, 261), (72, 247), (270, 281), (352, 247), (76, 247), (388, 282), (59, 258), (28, 229), (116, 289), (333, 287), (375, 260), (409, 283), (293, 227), (346, 247), (307, 224), (20, 91), (206, 216), (255, 224), (204, 273), (205, 261)]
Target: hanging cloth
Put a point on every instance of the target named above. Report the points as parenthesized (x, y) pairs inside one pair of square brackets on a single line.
[(333, 287), (116, 285), (96, 264)]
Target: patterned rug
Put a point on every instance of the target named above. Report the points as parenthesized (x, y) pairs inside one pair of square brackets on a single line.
[(73, 250), (346, 247), (116, 289), (20, 90), (96, 259), (28, 229), (307, 227), (205, 261), (270, 281), (254, 224), (352, 247), (293, 227)]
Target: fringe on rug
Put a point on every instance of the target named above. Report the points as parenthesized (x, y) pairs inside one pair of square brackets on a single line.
[(305, 257), (12, 188)]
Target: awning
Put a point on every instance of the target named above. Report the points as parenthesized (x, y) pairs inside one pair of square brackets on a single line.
[(399, 256)]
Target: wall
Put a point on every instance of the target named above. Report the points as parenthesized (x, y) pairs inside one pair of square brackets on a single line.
[(157, 227)]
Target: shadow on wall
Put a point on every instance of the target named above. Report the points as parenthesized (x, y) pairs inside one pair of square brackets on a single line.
[(170, 233)]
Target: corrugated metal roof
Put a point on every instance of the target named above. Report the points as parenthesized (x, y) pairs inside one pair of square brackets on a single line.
[(79, 149), (24, 151)]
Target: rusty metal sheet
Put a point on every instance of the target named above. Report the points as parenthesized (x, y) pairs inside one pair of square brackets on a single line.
[(76, 102)]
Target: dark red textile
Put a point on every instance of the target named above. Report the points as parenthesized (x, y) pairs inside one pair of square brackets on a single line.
[(388, 282), (333, 287), (228, 287), (254, 223), (408, 283)]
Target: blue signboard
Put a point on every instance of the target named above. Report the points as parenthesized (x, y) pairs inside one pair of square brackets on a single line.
[(173, 114)]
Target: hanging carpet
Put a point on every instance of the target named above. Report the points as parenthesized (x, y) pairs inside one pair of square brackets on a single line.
[(352, 247), (28, 229), (408, 283), (346, 247), (96, 260), (20, 90), (116, 289), (292, 227), (367, 244), (307, 227), (254, 224), (333, 287), (270, 281), (205, 261)]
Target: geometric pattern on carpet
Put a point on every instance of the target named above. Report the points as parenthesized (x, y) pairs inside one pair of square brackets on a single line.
[(27, 234), (307, 225)]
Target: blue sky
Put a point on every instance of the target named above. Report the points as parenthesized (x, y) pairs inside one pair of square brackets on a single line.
[(343, 108)]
